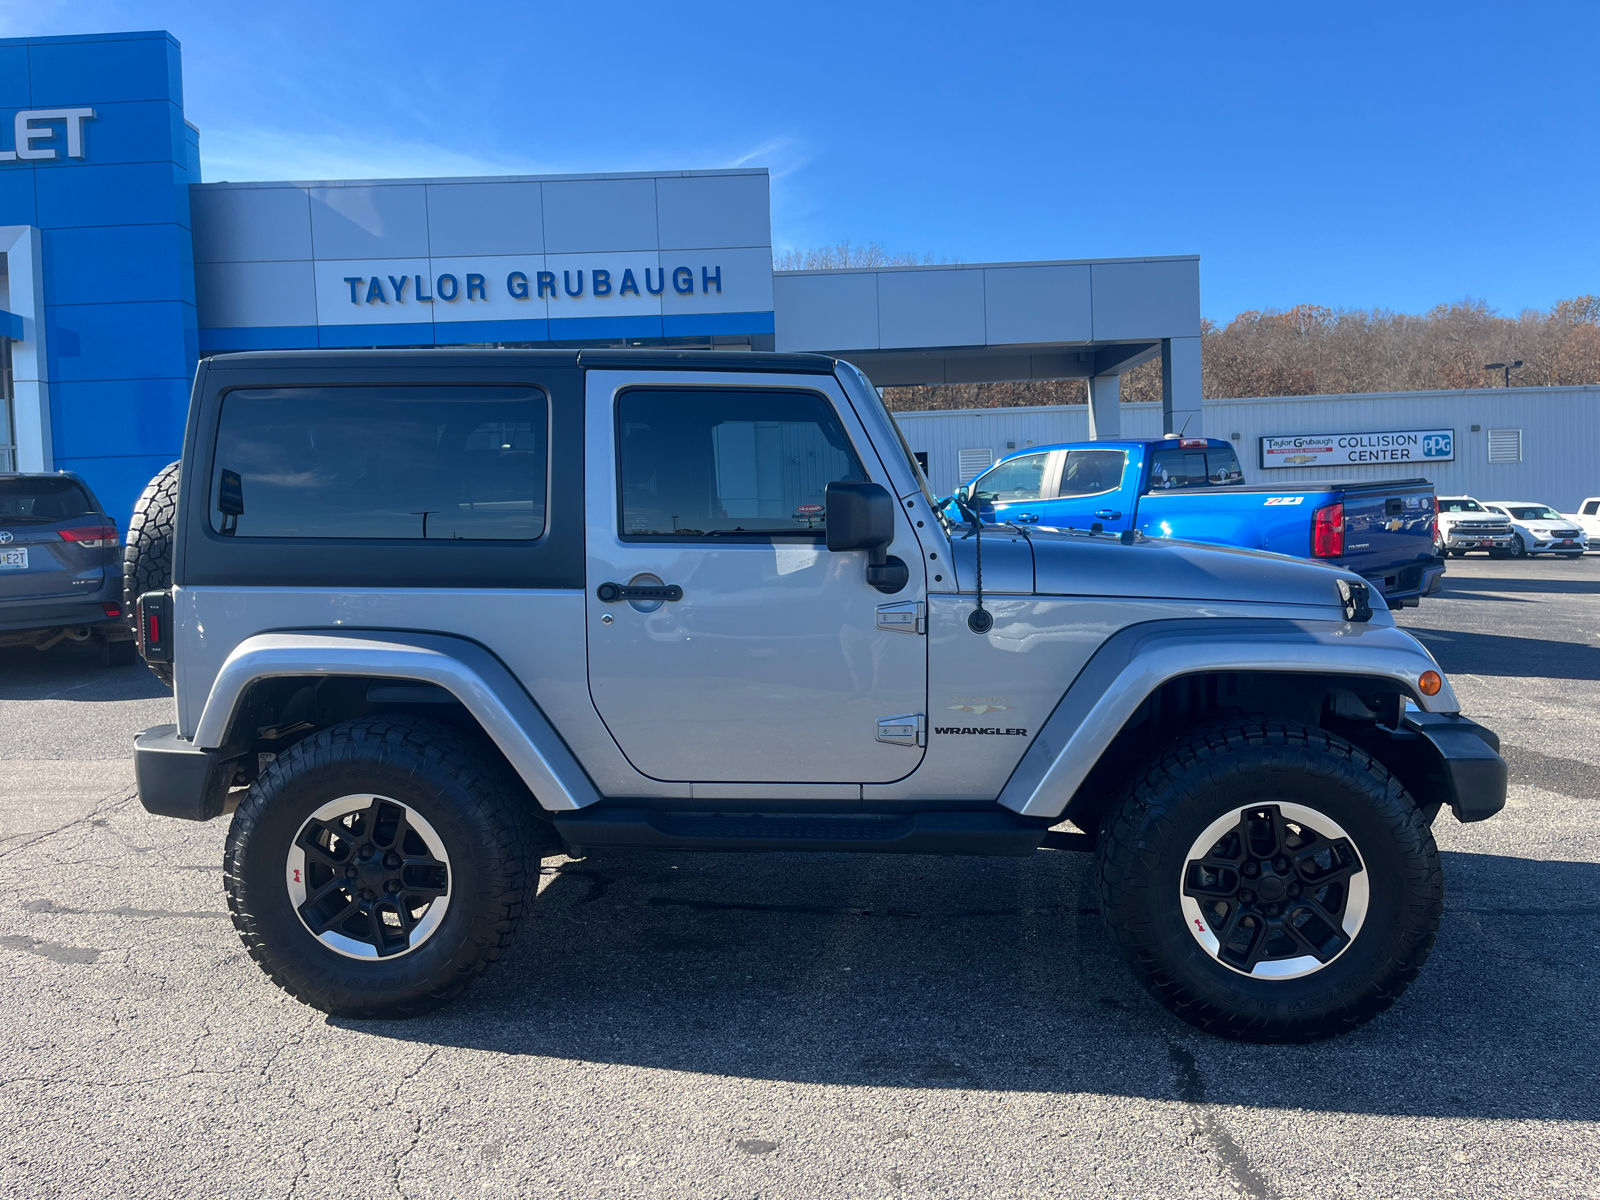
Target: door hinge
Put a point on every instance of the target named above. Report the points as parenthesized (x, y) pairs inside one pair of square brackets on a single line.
[(908, 616), (908, 729)]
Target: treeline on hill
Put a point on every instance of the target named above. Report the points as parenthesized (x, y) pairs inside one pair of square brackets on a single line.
[(1311, 350)]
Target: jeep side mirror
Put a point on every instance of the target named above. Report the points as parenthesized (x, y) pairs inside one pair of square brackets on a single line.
[(861, 517)]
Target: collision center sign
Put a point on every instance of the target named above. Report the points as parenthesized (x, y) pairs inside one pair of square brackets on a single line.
[(1347, 449)]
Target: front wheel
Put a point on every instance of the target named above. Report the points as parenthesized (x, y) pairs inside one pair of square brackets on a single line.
[(378, 867), (1270, 882), (1517, 547)]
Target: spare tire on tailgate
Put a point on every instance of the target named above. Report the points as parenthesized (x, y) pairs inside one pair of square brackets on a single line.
[(147, 556)]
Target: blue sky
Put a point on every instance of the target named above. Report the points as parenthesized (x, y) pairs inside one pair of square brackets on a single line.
[(1391, 155)]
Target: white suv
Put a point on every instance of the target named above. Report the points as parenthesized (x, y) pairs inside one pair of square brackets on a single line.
[(1540, 529)]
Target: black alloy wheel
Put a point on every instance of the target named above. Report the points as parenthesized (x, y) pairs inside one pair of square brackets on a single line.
[(369, 877), (1274, 890)]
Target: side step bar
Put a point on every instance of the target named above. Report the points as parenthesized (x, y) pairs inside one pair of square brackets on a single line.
[(991, 832)]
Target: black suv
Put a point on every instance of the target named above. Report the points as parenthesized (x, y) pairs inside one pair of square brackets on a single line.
[(60, 567)]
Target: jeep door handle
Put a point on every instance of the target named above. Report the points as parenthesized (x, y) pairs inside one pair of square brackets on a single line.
[(1106, 514), (610, 593)]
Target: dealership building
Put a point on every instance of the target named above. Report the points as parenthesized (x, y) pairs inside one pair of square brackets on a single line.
[(121, 269)]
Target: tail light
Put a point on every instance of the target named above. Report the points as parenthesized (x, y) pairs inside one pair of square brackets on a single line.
[(91, 536), (1327, 531), (154, 612)]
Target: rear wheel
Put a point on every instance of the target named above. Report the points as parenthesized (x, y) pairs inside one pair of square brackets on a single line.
[(1270, 882), (378, 867), (147, 555)]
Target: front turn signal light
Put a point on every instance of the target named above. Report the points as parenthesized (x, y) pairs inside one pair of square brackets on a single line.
[(1430, 683)]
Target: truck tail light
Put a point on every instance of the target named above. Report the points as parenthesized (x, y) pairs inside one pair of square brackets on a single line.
[(92, 536), (1327, 531), (154, 612)]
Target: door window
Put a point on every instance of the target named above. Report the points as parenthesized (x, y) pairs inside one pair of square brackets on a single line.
[(1016, 479), (739, 464), (1090, 472)]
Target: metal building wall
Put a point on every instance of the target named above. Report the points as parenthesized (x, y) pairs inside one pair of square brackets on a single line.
[(1560, 437)]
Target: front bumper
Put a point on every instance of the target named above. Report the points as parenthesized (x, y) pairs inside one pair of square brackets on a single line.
[(178, 779), (1559, 546), (1472, 775), (1499, 541)]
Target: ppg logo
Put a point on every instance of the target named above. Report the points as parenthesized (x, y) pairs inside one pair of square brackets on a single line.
[(1438, 445)]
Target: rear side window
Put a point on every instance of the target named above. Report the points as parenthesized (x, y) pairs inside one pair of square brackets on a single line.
[(1201, 466), (1591, 508), (1089, 472), (38, 501), (728, 463), (435, 463)]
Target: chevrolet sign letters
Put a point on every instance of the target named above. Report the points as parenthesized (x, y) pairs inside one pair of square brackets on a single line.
[(30, 130)]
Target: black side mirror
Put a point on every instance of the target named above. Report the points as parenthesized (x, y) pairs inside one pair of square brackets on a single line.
[(861, 517)]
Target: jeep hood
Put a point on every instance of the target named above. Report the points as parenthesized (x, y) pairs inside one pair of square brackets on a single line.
[(1081, 564)]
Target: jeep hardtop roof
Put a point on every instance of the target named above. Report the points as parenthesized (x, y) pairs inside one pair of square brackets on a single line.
[(643, 359)]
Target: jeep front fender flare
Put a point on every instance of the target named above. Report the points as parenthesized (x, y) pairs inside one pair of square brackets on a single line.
[(1133, 663), (465, 669)]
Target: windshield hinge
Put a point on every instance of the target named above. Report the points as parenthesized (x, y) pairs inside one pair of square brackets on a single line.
[(908, 616)]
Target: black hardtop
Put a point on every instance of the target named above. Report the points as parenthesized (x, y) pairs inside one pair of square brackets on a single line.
[(642, 359)]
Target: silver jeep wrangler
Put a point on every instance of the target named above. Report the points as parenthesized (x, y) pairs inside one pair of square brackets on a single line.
[(430, 616)]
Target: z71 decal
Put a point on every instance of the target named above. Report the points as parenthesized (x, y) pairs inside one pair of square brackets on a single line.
[(1271, 500)]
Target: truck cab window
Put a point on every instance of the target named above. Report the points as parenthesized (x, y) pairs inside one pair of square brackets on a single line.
[(721, 463), (1222, 466), (1090, 472), (1015, 479), (1177, 468)]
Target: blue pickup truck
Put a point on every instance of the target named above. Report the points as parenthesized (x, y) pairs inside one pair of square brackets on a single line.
[(1194, 489)]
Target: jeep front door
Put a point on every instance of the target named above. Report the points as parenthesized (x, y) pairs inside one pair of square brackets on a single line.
[(752, 653)]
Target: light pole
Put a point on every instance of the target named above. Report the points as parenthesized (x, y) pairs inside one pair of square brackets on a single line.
[(1507, 367)]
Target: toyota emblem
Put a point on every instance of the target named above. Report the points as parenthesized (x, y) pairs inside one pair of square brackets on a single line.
[(5, 536)]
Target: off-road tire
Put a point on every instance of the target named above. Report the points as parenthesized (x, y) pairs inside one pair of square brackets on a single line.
[(147, 552), (1208, 773), (478, 808)]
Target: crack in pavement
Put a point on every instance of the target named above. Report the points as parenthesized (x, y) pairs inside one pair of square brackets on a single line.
[(122, 910), (104, 805), (1192, 1091)]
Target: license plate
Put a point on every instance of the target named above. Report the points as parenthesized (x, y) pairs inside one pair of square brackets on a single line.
[(1486, 543), (14, 560), (1566, 541)]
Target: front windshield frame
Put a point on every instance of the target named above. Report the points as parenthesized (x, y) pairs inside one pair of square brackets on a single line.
[(905, 447)]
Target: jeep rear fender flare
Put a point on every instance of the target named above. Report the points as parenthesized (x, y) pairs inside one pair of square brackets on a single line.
[(1134, 662), (507, 714)]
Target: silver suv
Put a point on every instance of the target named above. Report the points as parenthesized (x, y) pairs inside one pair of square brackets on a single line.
[(432, 615)]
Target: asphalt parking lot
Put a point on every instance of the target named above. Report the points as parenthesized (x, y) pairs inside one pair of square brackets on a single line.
[(777, 1026)]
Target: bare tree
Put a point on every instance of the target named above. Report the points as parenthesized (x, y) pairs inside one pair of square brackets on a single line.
[(846, 256)]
